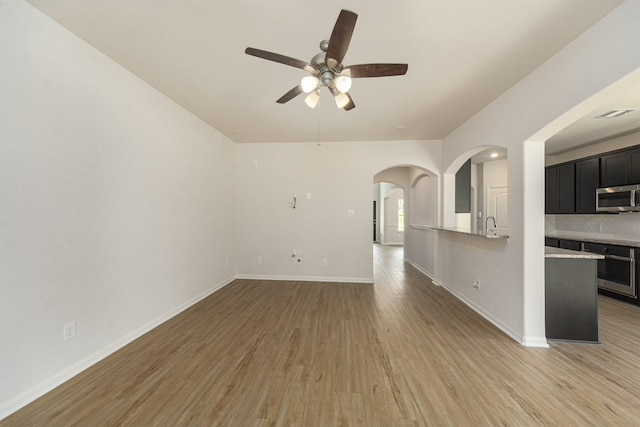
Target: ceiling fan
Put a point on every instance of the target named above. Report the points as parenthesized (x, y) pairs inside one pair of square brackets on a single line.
[(326, 67)]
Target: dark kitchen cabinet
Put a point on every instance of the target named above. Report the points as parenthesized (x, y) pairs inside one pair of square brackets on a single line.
[(587, 181), (551, 190), (550, 241), (620, 168), (463, 188), (573, 245), (614, 169), (567, 188), (634, 166), (560, 189)]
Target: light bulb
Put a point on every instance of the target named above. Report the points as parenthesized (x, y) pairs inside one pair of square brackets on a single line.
[(343, 83), (312, 99), (309, 83), (342, 100)]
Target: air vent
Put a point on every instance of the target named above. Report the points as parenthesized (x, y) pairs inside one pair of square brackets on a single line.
[(616, 113)]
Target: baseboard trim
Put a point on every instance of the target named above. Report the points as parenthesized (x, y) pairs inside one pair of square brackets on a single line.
[(540, 342), (368, 280), (496, 322), (14, 404), (422, 270)]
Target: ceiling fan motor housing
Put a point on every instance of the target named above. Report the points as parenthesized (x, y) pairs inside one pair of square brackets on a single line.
[(326, 73)]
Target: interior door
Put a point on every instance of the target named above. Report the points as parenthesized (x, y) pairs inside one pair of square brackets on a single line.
[(498, 207)]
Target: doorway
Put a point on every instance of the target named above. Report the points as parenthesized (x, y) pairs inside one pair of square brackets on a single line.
[(389, 215)]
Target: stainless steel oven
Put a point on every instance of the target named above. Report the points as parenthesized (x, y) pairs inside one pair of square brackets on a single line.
[(617, 271)]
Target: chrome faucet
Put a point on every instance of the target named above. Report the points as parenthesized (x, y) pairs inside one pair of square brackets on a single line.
[(486, 225)]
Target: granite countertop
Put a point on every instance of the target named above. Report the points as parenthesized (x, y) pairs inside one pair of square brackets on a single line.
[(550, 252), (500, 237), (596, 239)]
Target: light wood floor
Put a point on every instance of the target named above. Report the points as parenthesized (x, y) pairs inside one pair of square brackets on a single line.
[(400, 353)]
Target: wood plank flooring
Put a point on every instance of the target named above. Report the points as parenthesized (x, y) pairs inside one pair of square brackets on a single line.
[(402, 352)]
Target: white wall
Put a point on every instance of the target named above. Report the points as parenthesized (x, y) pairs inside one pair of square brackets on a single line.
[(551, 97), (339, 177), (114, 205), (420, 244), (496, 173), (593, 150), (424, 201)]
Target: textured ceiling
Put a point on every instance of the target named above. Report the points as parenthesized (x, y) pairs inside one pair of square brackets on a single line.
[(462, 54)]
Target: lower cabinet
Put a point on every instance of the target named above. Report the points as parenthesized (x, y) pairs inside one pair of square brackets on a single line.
[(571, 299)]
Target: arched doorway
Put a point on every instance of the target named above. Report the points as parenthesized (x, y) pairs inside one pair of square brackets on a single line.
[(405, 210)]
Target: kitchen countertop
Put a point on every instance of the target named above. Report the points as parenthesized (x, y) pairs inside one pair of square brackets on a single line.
[(501, 237), (550, 252), (596, 239)]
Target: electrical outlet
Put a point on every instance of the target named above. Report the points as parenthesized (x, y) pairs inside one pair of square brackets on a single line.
[(259, 260), (226, 263), (69, 331), (476, 284), (324, 261)]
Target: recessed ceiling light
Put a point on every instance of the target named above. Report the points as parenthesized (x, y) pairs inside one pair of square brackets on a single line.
[(401, 127), (616, 113), (493, 155)]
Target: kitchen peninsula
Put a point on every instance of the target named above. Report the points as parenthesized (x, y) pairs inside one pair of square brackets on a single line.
[(571, 295)]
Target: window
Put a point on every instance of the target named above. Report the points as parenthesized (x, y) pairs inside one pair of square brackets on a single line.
[(400, 215)]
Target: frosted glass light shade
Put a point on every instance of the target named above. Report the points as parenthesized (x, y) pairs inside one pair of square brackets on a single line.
[(309, 83), (343, 83), (341, 100), (312, 99)]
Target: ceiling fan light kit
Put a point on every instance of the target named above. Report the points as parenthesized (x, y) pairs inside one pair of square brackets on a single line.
[(326, 67), (341, 100), (309, 84), (312, 99), (343, 83)]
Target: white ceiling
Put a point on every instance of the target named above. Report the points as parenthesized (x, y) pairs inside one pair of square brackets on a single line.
[(462, 54)]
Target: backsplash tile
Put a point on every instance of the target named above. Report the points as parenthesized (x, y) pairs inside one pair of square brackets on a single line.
[(624, 226)]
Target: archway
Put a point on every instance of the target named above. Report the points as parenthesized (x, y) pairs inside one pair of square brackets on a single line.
[(420, 202)]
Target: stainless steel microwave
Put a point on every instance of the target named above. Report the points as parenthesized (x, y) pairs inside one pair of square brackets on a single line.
[(618, 199)]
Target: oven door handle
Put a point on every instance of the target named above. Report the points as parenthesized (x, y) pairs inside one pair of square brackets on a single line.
[(619, 258)]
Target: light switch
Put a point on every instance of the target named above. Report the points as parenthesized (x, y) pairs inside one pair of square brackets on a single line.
[(351, 212), (308, 196)]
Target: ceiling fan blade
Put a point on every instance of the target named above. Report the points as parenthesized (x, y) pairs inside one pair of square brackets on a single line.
[(375, 70), (276, 57), (341, 37), (350, 105), (290, 95)]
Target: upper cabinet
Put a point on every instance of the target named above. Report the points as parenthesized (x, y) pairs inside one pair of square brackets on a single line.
[(587, 181), (571, 187), (463, 188), (620, 168), (614, 170), (560, 189), (634, 166)]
